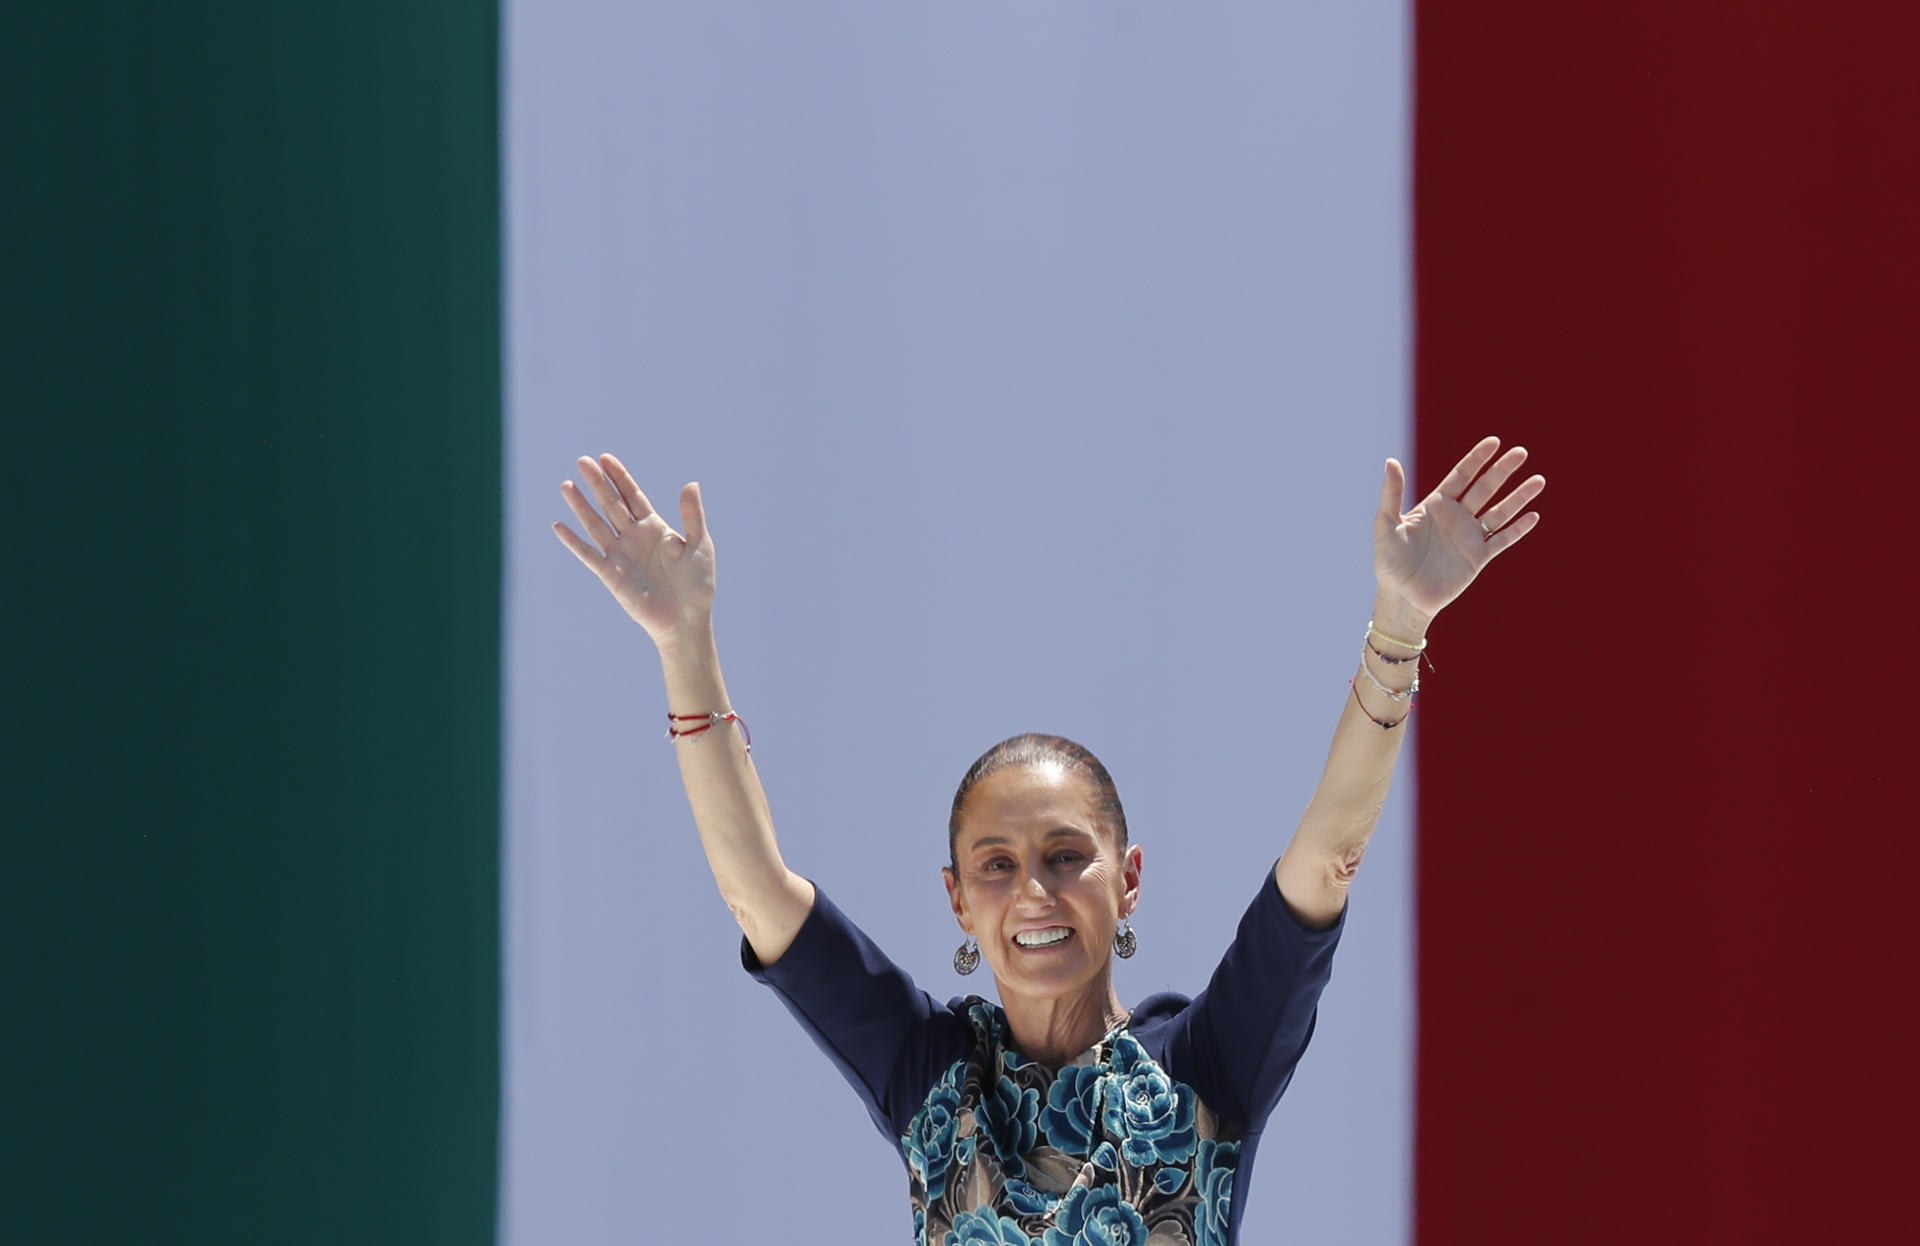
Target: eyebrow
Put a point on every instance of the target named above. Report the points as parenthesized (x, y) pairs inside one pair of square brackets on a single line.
[(994, 841)]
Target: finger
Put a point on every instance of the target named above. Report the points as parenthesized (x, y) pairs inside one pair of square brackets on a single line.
[(1509, 536), (1393, 496), (597, 528), (609, 497), (693, 513), (637, 504), (586, 553), (1497, 515), (1493, 480), (1466, 469)]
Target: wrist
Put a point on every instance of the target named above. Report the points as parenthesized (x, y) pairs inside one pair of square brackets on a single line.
[(691, 644), (1393, 615)]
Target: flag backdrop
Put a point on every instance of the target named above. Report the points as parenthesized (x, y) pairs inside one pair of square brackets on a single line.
[(1667, 855), (1038, 362), (250, 875)]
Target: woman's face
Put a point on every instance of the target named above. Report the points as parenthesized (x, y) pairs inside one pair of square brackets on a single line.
[(1040, 880)]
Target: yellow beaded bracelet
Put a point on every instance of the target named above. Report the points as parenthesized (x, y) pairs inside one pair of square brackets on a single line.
[(1417, 646)]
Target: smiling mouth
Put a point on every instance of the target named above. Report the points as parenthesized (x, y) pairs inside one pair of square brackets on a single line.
[(1039, 940)]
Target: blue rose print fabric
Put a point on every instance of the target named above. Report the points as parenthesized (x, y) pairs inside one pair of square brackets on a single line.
[(1007, 1152), (1146, 1138)]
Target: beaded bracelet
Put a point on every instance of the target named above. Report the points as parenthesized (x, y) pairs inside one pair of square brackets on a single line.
[(1389, 726), (1419, 651), (1391, 694), (706, 721), (1390, 660), (1418, 646)]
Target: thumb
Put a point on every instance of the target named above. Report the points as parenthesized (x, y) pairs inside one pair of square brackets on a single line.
[(693, 514), (1393, 494)]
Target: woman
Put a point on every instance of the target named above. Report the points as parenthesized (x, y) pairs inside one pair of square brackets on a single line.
[(1059, 1117)]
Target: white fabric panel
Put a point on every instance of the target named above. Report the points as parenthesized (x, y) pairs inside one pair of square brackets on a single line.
[(1039, 362)]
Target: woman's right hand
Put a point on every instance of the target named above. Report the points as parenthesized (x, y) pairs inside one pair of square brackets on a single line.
[(663, 579)]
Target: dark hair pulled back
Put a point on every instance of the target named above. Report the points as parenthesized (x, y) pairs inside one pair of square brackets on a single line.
[(1034, 749)]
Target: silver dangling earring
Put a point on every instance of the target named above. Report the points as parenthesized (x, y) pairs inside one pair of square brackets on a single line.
[(966, 958), (1125, 942)]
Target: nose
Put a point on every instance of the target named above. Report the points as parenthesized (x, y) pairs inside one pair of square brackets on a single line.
[(1033, 888)]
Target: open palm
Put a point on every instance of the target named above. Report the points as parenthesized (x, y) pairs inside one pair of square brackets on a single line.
[(1429, 555), (662, 578)]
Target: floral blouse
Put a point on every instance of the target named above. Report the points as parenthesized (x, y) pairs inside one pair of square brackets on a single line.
[(1146, 1137)]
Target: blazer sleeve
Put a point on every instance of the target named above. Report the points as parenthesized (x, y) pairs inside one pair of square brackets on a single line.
[(889, 1039), (1239, 1041)]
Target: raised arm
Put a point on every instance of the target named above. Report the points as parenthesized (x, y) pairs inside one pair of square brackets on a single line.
[(1422, 559), (664, 580)]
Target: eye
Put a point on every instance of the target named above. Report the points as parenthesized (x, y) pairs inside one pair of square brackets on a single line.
[(995, 864), (1066, 858)]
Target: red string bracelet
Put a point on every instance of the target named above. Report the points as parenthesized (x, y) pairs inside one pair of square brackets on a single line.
[(1389, 726), (706, 721)]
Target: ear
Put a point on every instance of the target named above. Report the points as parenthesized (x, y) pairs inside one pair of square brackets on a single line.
[(1130, 879), (957, 898)]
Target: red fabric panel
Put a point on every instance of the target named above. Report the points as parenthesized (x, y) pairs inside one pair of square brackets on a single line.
[(1668, 866)]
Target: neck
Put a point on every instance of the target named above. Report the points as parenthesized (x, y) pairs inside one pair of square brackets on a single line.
[(1053, 1030)]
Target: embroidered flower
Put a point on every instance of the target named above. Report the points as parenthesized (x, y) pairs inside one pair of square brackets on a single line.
[(1026, 1200), (1119, 1137), (1009, 1117), (1096, 1216), (1213, 1184), (1072, 1103), (1149, 1111), (984, 1228), (930, 1135)]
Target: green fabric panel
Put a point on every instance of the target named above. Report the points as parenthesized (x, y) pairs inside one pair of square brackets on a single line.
[(249, 859)]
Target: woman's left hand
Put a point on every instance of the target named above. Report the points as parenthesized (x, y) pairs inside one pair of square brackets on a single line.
[(1427, 556)]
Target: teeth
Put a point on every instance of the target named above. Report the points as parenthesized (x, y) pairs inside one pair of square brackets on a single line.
[(1041, 938)]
